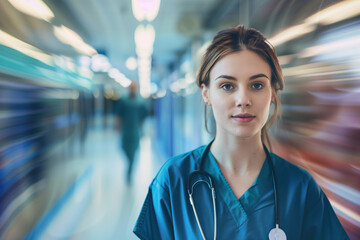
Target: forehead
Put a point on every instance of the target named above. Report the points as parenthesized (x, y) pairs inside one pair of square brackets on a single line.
[(245, 63)]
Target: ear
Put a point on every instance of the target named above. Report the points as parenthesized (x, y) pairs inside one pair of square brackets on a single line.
[(205, 94), (272, 96)]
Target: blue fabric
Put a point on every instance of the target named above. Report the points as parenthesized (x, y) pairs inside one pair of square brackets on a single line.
[(304, 210)]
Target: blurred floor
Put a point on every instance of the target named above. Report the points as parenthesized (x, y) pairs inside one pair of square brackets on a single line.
[(99, 204)]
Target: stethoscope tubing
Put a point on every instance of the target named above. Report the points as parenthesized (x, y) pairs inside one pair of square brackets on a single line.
[(210, 185)]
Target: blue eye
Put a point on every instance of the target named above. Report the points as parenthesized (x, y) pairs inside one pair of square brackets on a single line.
[(257, 86), (227, 87)]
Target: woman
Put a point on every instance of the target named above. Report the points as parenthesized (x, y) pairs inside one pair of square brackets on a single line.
[(258, 195)]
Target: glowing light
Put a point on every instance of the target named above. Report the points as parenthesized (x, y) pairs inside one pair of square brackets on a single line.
[(27, 49), (291, 33), (189, 79), (69, 37), (145, 9), (113, 73), (160, 94), (144, 40), (175, 87), (153, 88), (335, 13), (100, 63), (34, 8), (119, 77), (350, 43), (125, 82), (85, 61), (131, 63)]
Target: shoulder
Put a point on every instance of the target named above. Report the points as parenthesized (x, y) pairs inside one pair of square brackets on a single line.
[(179, 167), (287, 169), (291, 176)]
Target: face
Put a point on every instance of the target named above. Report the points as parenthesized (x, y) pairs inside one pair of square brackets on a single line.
[(239, 94)]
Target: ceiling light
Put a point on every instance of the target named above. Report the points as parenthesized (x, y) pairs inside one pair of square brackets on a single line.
[(34, 8), (27, 49), (119, 77), (113, 73), (335, 13), (125, 82), (291, 33), (69, 37), (145, 9), (100, 63), (131, 63), (144, 40)]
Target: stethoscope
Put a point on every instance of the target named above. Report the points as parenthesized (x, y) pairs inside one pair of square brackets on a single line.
[(275, 234)]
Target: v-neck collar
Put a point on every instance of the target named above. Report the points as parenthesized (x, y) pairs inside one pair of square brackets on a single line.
[(239, 208)]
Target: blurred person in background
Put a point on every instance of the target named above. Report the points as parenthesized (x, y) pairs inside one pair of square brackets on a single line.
[(235, 186), (130, 115)]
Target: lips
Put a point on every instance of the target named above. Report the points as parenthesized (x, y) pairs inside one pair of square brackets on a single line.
[(243, 118)]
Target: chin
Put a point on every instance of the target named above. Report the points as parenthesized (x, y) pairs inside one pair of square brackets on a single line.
[(244, 133)]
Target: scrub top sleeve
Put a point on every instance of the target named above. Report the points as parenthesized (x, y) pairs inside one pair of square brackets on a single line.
[(154, 221), (320, 221)]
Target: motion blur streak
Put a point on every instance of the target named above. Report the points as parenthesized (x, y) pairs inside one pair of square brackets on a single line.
[(320, 122)]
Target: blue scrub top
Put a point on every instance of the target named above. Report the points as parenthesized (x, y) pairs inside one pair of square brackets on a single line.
[(304, 210)]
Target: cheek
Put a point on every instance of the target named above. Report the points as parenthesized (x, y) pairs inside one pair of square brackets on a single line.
[(264, 103), (219, 105)]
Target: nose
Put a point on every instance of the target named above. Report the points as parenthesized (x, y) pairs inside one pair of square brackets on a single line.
[(243, 98)]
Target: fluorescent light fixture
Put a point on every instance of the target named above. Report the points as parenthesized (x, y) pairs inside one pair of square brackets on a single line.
[(131, 63), (145, 86), (119, 77), (69, 37), (113, 73), (145, 9), (34, 8), (144, 40), (85, 61), (125, 82), (27, 49), (100, 63), (335, 13), (291, 33)]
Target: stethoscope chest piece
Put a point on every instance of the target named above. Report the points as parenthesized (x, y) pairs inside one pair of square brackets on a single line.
[(277, 234)]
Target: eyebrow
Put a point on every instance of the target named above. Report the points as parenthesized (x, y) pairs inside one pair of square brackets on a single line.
[(251, 78)]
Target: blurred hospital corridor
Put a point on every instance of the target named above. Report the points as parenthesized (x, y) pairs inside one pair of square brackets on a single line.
[(87, 196), (88, 86)]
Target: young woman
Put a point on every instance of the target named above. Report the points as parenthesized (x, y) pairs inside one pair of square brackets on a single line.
[(234, 188)]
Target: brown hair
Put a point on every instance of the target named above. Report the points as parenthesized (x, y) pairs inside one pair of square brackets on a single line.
[(235, 40)]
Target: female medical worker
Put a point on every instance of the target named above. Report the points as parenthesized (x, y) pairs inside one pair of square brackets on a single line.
[(257, 194)]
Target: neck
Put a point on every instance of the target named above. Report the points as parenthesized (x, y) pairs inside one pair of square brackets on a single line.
[(238, 156)]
